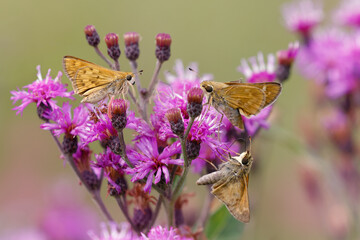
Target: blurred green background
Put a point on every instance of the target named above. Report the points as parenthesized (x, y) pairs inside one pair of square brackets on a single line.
[(215, 34)]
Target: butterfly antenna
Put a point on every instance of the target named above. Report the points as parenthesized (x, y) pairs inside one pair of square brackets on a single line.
[(249, 145), (228, 150), (209, 162)]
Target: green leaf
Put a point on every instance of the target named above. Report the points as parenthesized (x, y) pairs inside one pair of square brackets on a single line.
[(221, 225)]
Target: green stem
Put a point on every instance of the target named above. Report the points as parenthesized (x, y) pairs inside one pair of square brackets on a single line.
[(123, 149), (181, 181)]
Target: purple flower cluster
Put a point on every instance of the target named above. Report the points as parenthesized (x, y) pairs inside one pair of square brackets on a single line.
[(182, 131), (42, 92), (330, 56)]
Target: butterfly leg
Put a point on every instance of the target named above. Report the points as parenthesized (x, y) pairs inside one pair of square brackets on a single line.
[(132, 90), (222, 116), (207, 110)]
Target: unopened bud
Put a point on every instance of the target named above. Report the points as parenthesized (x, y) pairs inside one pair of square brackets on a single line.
[(176, 122), (132, 45), (117, 113), (192, 149), (142, 218), (285, 59), (112, 42), (114, 144), (43, 111), (91, 179), (195, 98), (70, 144), (121, 182), (91, 35), (163, 42)]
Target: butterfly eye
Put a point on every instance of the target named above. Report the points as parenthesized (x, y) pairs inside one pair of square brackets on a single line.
[(245, 161), (128, 77), (208, 88)]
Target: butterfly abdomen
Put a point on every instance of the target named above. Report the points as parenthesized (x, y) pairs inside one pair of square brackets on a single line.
[(210, 178)]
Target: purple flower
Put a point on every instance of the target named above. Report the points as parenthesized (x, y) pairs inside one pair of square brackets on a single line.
[(151, 163), (162, 233), (102, 130), (140, 126), (174, 95), (326, 60), (112, 231), (258, 121), (348, 13), (64, 122), (109, 159), (185, 79), (352, 50), (205, 132), (286, 57), (259, 70), (42, 91), (302, 16), (208, 154)]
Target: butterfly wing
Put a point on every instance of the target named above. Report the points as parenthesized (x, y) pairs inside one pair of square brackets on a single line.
[(247, 98), (271, 89), (87, 77), (233, 192)]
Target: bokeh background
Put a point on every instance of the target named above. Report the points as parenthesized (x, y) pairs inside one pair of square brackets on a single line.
[(37, 188)]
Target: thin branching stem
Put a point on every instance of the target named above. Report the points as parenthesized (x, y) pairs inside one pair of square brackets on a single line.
[(154, 80), (117, 65), (180, 183), (141, 104), (98, 51), (95, 194), (125, 212), (156, 213)]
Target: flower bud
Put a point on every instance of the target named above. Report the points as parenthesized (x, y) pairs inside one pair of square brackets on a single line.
[(112, 42), (179, 217), (142, 218), (114, 144), (285, 59), (121, 182), (91, 35), (163, 42), (195, 98), (43, 111), (91, 179), (192, 149), (176, 122), (70, 144), (117, 113), (132, 45)]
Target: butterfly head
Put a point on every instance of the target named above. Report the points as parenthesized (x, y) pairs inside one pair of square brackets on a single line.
[(130, 77), (244, 158), (207, 87)]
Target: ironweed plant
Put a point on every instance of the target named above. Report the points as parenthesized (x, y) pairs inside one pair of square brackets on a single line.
[(149, 172)]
